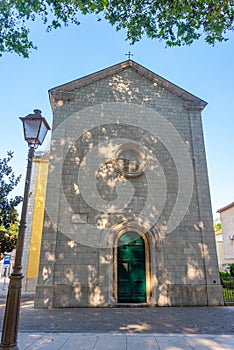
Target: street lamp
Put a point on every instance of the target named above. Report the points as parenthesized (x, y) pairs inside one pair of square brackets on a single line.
[(35, 130)]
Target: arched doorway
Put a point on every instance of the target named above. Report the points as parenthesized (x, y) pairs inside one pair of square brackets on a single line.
[(131, 268)]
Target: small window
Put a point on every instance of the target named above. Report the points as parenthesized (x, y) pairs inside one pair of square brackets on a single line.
[(130, 159)]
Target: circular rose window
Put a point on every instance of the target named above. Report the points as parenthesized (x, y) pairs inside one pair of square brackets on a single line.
[(130, 159)]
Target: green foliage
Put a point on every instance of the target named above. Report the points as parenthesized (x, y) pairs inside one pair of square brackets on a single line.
[(227, 282), (8, 239), (224, 274), (232, 270), (217, 228), (8, 213), (176, 22), (228, 294)]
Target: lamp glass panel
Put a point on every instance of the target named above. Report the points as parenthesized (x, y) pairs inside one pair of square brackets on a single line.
[(42, 133), (31, 128)]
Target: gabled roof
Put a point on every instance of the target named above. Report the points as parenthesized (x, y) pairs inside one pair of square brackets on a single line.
[(70, 87), (226, 207)]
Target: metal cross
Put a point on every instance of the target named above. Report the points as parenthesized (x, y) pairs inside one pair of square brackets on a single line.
[(129, 54)]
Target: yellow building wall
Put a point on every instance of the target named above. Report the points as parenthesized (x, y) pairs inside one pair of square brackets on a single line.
[(37, 221)]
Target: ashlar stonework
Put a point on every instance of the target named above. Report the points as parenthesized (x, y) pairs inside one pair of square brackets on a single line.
[(128, 216)]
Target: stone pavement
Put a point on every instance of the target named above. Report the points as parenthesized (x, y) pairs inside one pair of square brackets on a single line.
[(120, 341), (167, 328)]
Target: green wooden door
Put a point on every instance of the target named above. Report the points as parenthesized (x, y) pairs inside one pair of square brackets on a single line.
[(131, 268)]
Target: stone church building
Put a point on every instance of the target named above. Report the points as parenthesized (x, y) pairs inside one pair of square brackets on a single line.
[(128, 217)]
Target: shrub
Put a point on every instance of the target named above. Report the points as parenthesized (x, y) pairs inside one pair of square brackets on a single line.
[(232, 270), (224, 274)]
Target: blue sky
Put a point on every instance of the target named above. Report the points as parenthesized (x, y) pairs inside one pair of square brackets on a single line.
[(70, 53)]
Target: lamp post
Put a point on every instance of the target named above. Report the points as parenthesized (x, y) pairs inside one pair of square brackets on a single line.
[(35, 130)]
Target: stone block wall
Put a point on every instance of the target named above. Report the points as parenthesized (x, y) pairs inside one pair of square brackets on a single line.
[(90, 201)]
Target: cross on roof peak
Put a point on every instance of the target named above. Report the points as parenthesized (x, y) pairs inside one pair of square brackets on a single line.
[(129, 54)]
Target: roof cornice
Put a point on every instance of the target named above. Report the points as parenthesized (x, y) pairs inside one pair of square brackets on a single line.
[(226, 207)]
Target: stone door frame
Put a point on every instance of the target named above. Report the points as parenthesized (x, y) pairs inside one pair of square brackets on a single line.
[(147, 264)]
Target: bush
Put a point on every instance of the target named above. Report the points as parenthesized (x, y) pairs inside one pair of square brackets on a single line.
[(224, 274), (232, 270)]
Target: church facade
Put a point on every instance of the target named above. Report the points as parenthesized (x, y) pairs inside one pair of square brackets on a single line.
[(128, 217)]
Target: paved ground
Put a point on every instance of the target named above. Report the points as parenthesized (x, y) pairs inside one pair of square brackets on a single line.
[(169, 328), (167, 320), (106, 341)]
